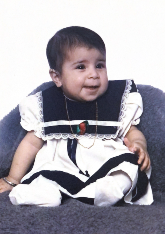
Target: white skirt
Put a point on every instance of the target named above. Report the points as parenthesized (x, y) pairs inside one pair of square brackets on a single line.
[(103, 175)]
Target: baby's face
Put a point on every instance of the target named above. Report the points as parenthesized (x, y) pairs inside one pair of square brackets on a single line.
[(84, 74)]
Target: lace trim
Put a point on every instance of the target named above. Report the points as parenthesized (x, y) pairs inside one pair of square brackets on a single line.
[(124, 98), (40, 130), (69, 135), (41, 133)]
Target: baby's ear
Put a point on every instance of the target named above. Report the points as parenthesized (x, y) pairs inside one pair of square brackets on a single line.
[(55, 75)]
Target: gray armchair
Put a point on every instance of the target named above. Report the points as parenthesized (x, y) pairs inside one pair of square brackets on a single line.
[(74, 217)]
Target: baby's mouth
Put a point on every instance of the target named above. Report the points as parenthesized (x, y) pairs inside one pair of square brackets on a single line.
[(92, 87)]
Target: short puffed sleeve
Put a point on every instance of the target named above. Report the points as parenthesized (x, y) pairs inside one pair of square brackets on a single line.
[(133, 109), (30, 113)]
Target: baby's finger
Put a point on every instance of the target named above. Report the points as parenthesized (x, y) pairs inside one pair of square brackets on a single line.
[(141, 155), (134, 150), (148, 167), (145, 163)]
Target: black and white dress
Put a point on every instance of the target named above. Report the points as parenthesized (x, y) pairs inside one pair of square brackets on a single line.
[(64, 167)]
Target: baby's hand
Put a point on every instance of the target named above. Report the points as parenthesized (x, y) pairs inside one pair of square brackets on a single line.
[(141, 151), (4, 186)]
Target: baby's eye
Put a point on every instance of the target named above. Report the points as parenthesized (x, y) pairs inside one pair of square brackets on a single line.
[(81, 66), (100, 65)]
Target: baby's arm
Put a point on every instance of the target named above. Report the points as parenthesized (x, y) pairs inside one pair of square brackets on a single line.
[(24, 156), (136, 142)]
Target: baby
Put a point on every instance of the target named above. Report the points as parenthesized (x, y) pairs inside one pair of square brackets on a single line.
[(81, 132)]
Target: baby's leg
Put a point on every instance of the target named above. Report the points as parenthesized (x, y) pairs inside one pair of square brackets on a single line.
[(41, 192), (111, 189)]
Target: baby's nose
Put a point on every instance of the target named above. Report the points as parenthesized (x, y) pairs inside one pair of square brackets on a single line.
[(93, 73)]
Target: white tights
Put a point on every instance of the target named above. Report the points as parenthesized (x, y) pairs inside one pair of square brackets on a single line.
[(111, 189), (43, 192)]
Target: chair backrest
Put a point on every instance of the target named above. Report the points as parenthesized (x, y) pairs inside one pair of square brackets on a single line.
[(152, 125)]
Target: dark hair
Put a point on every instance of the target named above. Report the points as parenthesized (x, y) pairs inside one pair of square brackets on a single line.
[(66, 39)]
